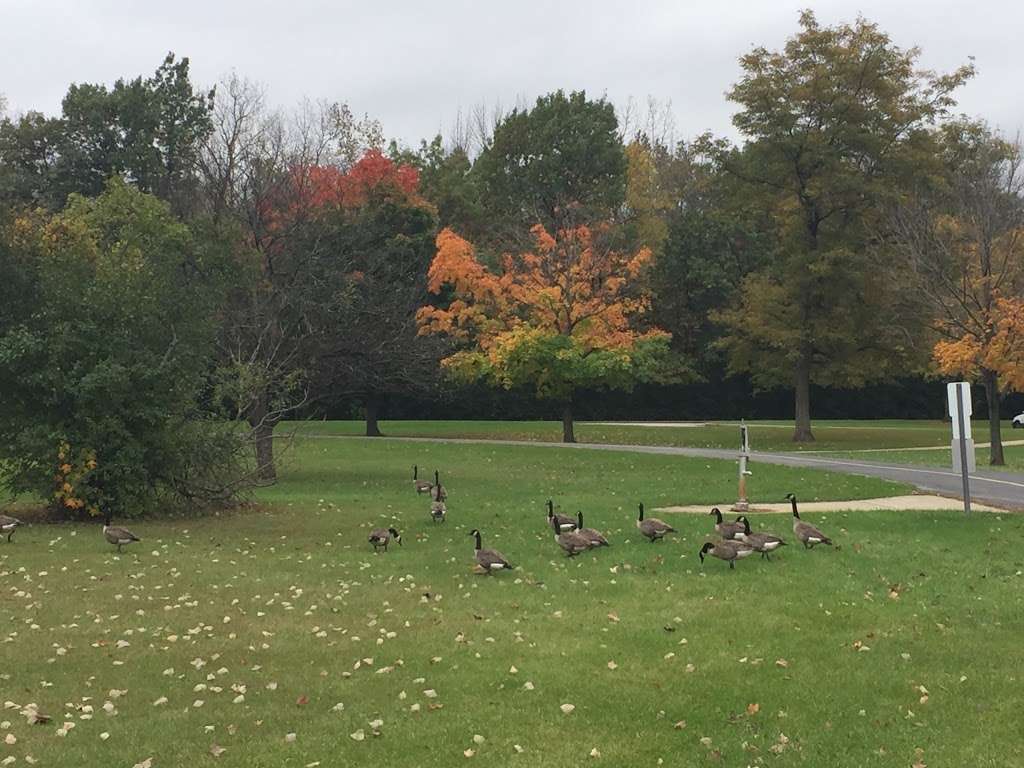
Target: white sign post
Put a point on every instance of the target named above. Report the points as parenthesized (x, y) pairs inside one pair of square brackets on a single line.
[(958, 396)]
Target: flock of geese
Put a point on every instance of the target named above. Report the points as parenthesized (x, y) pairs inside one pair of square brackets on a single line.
[(736, 539)]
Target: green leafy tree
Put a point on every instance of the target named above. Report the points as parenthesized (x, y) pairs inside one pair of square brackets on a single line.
[(715, 238), (372, 242), (835, 125), (106, 336), (147, 131), (446, 180), (559, 164)]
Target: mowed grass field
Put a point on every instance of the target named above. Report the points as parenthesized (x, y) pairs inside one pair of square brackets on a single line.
[(273, 636), (849, 435)]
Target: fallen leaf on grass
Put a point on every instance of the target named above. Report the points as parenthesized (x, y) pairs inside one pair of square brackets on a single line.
[(567, 709), (217, 750), (753, 709)]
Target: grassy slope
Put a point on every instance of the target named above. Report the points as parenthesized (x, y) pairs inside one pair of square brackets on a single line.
[(252, 594)]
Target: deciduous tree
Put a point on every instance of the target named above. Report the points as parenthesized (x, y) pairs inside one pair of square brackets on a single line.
[(147, 131), (107, 326), (835, 124), (964, 239), (372, 242), (565, 315), (558, 164)]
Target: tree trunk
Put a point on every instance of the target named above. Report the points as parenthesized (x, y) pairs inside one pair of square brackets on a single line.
[(995, 437), (802, 385), (568, 435), (372, 411), (264, 436)]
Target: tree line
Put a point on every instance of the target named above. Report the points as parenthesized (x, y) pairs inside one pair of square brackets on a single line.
[(178, 261)]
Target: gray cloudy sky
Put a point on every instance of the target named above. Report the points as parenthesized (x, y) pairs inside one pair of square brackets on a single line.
[(414, 64)]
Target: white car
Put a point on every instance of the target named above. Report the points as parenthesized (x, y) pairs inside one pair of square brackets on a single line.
[(1018, 421)]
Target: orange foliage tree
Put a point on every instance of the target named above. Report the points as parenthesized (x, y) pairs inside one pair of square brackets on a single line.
[(966, 245), (563, 316)]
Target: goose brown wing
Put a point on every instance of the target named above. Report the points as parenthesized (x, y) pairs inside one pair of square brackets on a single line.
[(491, 557)]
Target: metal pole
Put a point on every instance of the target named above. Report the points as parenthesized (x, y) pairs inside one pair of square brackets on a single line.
[(963, 449), (742, 505)]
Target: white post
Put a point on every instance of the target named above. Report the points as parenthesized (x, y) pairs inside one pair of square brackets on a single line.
[(742, 505), (958, 395)]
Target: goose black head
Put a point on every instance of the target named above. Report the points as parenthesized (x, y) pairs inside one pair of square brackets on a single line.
[(551, 508), (717, 513), (474, 532), (395, 535), (746, 523), (791, 498), (415, 472), (641, 510), (708, 546), (579, 519)]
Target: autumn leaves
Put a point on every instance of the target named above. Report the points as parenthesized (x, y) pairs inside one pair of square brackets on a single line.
[(567, 314)]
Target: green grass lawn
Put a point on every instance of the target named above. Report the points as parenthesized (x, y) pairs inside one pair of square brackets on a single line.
[(235, 631), (764, 435), (1013, 454)]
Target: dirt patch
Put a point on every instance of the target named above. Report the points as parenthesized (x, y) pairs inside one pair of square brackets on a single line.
[(895, 503)]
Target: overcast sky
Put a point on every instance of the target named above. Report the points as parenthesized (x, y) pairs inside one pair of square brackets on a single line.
[(413, 65)]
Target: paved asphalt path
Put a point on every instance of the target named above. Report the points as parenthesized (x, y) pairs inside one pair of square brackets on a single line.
[(1000, 489)]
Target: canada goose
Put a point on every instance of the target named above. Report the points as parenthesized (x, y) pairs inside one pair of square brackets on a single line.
[(596, 538), (421, 486), (439, 492), (572, 542), (380, 537), (652, 527), (727, 550), (806, 532), (8, 524), (117, 535), (489, 560), (438, 509), (565, 523), (727, 531), (761, 542)]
